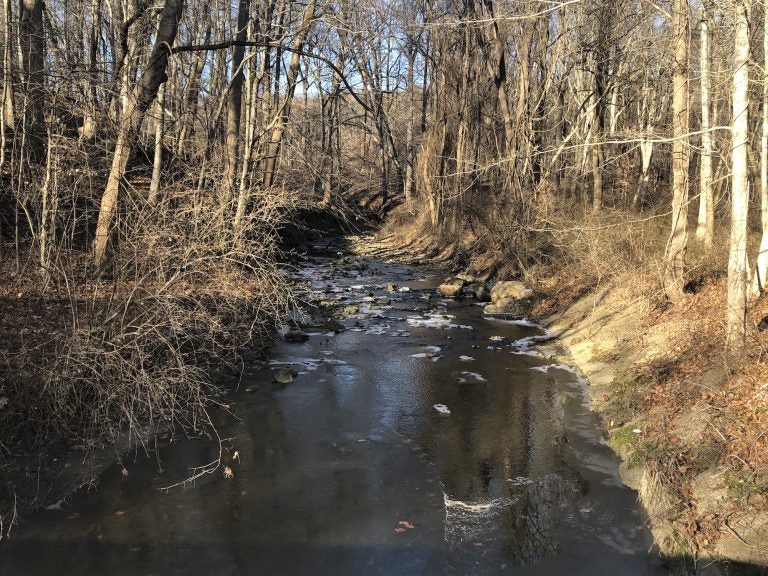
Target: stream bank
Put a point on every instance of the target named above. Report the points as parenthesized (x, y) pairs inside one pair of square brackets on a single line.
[(633, 354)]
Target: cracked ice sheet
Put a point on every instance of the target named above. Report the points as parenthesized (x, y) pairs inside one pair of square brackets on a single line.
[(309, 364)]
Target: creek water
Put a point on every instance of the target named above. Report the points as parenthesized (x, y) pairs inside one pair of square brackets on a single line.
[(423, 439)]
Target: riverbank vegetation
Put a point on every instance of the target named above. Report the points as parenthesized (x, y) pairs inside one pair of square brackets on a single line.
[(152, 154)]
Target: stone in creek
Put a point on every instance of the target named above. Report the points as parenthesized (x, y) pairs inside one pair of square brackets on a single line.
[(296, 336), (284, 375), (452, 290), (510, 289), (482, 294), (511, 306), (349, 310)]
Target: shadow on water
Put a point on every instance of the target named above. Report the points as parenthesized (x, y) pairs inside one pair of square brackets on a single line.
[(424, 439)]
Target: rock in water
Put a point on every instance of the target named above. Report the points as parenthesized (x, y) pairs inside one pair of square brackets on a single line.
[(296, 336), (482, 294), (452, 290), (510, 289), (284, 375), (511, 306), (391, 287)]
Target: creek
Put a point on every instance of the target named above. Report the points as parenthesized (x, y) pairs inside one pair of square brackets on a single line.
[(424, 438)]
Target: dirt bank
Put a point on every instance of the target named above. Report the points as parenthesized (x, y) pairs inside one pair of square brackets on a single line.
[(688, 421)]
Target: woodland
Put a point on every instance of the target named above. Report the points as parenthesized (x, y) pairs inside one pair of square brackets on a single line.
[(154, 154)]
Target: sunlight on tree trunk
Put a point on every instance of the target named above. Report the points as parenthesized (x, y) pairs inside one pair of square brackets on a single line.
[(761, 267), (737, 259), (706, 220), (678, 240)]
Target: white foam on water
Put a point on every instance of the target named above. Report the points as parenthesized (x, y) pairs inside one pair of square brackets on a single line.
[(442, 409), (433, 348), (420, 355), (404, 289), (475, 375), (466, 358)]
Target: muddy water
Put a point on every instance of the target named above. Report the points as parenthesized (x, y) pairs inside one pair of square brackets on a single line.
[(424, 439)]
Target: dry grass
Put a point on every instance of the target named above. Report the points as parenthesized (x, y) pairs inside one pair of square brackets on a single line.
[(112, 357)]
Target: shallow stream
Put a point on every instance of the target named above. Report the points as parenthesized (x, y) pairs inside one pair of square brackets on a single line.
[(423, 439)]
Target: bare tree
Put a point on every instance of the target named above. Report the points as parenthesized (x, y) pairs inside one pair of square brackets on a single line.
[(678, 240), (737, 257)]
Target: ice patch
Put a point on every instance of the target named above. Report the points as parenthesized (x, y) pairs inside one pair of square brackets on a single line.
[(308, 364), (420, 355), (58, 505), (516, 322), (433, 320), (520, 481), (466, 358), (433, 348), (404, 289), (442, 409), (474, 375)]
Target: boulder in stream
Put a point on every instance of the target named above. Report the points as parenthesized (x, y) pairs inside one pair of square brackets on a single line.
[(296, 336), (510, 289), (284, 375), (454, 289)]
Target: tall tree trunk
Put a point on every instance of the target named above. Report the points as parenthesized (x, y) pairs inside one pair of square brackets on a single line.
[(32, 45), (737, 257), (276, 138), (235, 101), (157, 161), (761, 268), (139, 101), (678, 240), (706, 221)]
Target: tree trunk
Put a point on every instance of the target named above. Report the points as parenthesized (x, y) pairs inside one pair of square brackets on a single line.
[(678, 240), (157, 161), (275, 141), (706, 221), (737, 257), (761, 268), (32, 45), (235, 101), (139, 101)]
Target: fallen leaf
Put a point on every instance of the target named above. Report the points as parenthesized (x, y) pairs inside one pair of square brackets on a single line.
[(399, 530), (406, 524), (228, 474), (120, 513)]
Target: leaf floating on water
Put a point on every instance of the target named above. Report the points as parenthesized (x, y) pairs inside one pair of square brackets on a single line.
[(399, 530), (228, 474), (406, 524)]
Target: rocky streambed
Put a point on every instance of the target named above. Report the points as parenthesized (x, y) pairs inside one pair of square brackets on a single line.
[(404, 433)]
